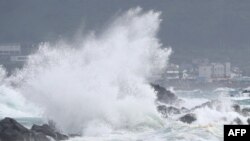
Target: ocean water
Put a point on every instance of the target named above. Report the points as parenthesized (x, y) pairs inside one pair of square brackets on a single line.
[(99, 86), (208, 127)]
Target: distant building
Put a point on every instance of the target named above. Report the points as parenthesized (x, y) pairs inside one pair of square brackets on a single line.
[(188, 71), (218, 70), (11, 56), (188, 75), (18, 58), (10, 49), (236, 72), (199, 62), (221, 71), (215, 71), (172, 72), (205, 72)]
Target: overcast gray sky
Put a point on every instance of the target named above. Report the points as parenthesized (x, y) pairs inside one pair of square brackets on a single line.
[(194, 28)]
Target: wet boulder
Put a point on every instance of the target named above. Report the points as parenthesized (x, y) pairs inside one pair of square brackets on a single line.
[(166, 111), (206, 104), (173, 110), (246, 92), (188, 118), (163, 110), (246, 111), (236, 108), (184, 110), (209, 104), (11, 130), (49, 131), (248, 121), (237, 121), (75, 135), (164, 95)]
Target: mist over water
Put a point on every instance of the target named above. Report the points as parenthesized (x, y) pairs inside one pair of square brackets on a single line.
[(101, 82), (99, 86)]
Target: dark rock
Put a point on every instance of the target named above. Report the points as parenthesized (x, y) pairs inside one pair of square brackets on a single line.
[(52, 125), (11, 130), (173, 110), (75, 135), (237, 121), (236, 108), (163, 95), (49, 131), (166, 111), (38, 137), (184, 110), (246, 91), (163, 110), (248, 121), (188, 118), (45, 129), (208, 104), (246, 111)]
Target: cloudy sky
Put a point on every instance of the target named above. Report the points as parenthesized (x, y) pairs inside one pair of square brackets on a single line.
[(216, 29)]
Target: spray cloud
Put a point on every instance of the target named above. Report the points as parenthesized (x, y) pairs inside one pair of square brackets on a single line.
[(102, 79)]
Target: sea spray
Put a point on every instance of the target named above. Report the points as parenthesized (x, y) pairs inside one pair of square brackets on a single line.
[(102, 81), (3, 75), (98, 85)]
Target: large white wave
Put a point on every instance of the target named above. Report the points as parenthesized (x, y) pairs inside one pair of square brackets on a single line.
[(12, 104), (101, 81)]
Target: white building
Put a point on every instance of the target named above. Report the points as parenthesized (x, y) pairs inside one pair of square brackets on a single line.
[(205, 72), (218, 70), (215, 71)]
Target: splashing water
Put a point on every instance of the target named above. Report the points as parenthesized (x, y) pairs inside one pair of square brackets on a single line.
[(99, 86), (102, 80)]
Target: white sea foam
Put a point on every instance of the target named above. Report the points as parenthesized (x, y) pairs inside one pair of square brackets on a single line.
[(14, 105), (99, 86), (102, 79)]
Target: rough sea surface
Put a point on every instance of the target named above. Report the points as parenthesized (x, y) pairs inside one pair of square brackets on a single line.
[(99, 86), (208, 127)]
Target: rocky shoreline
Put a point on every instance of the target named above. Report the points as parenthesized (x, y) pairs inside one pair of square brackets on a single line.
[(11, 130), (166, 101)]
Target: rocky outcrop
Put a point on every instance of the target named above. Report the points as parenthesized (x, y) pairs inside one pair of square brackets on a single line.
[(248, 121), (184, 110), (213, 104), (206, 104), (163, 95), (246, 111), (236, 108), (246, 92), (11, 130), (166, 97), (48, 131), (237, 121), (166, 111), (188, 118)]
